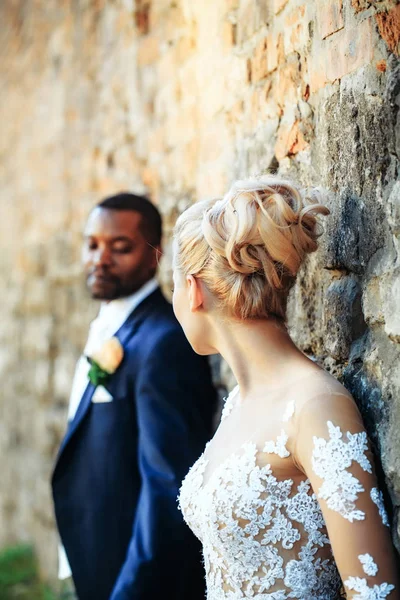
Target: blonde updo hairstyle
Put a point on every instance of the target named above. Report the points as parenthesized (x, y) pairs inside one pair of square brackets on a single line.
[(248, 246)]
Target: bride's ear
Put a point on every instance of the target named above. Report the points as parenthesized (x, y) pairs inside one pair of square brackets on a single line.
[(196, 294)]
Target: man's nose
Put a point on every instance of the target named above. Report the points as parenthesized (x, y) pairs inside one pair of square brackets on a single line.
[(102, 256)]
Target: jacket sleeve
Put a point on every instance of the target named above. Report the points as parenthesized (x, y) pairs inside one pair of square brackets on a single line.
[(171, 390), (333, 450)]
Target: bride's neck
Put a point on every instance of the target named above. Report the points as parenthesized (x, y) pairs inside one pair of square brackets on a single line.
[(260, 353)]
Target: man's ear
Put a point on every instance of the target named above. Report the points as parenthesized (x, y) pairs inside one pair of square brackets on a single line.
[(196, 296)]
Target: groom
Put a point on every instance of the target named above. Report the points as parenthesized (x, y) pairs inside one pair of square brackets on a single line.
[(134, 431)]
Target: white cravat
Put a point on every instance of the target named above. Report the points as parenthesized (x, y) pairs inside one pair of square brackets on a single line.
[(111, 317)]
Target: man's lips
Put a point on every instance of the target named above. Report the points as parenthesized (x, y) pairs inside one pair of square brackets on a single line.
[(100, 278)]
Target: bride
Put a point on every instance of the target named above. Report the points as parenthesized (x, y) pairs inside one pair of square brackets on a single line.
[(284, 497)]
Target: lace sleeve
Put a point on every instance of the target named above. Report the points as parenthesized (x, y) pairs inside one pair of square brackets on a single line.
[(332, 448)]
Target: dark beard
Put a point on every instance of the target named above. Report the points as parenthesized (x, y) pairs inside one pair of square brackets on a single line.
[(113, 289)]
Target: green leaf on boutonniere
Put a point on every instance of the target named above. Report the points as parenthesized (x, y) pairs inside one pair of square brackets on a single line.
[(97, 375)]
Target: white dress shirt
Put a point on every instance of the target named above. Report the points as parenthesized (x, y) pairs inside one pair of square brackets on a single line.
[(111, 317)]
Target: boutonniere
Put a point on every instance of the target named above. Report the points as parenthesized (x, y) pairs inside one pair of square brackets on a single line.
[(105, 361)]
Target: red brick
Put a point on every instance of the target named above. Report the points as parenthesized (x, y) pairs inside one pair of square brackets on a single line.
[(268, 54), (124, 21), (254, 111), (149, 51), (231, 5), (329, 17), (296, 30), (173, 20), (263, 106), (259, 62), (71, 115), (275, 51), (296, 140), (290, 140), (235, 114), (295, 16), (170, 62), (228, 35), (389, 28), (184, 48), (279, 5), (317, 71), (286, 86)]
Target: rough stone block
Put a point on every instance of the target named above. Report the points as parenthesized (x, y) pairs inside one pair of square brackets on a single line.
[(369, 398), (349, 50), (343, 317), (353, 234), (372, 302), (330, 17), (391, 306), (340, 54)]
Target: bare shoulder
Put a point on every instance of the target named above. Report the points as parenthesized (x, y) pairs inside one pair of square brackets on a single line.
[(323, 398)]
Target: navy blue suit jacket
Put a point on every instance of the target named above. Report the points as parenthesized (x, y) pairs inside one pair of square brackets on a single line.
[(121, 464)]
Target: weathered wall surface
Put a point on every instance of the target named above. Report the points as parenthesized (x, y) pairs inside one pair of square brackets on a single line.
[(179, 98)]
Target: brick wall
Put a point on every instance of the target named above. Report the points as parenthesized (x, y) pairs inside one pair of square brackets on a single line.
[(179, 98)]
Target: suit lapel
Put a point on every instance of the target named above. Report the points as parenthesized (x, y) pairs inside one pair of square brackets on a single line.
[(124, 334), (83, 408)]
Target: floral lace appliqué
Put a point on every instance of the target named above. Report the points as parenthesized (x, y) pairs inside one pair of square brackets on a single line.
[(231, 401), (368, 564), (263, 538), (289, 412), (377, 498), (278, 447), (365, 592), (330, 461)]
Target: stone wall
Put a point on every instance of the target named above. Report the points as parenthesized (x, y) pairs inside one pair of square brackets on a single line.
[(179, 98)]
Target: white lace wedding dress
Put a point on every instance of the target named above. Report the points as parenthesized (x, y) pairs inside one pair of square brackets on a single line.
[(268, 489)]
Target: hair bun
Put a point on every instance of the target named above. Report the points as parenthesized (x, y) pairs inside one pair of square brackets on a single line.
[(249, 245), (264, 226)]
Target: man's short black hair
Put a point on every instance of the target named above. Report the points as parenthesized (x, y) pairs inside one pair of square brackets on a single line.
[(151, 218)]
